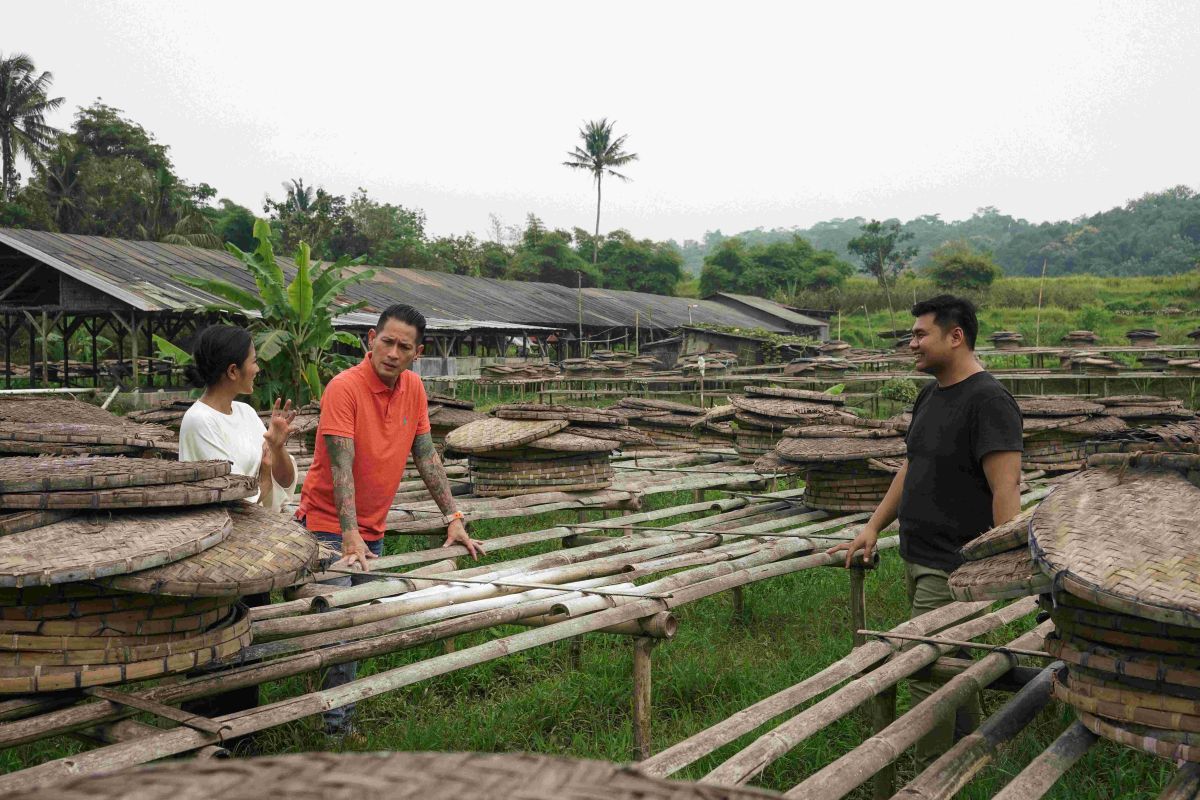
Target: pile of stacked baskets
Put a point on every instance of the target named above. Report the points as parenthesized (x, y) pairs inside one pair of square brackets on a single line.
[(1081, 338), (764, 413), (447, 413), (501, 373), (668, 425), (1144, 410), (38, 426), (116, 569), (1056, 428), (532, 448), (1112, 552), (715, 362), (1006, 340)]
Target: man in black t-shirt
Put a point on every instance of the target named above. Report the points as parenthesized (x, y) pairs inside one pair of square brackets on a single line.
[(962, 475)]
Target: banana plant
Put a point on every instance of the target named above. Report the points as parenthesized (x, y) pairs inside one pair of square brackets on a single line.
[(291, 321)]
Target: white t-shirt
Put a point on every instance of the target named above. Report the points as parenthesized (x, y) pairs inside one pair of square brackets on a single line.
[(206, 434)]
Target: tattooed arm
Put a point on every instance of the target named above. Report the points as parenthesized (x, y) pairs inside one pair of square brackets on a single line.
[(341, 464), (434, 475)]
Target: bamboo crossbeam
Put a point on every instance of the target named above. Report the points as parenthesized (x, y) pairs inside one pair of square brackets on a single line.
[(844, 775), (1050, 765), (992, 648), (698, 746), (958, 765), (314, 588), (662, 625), (773, 745), (504, 584)]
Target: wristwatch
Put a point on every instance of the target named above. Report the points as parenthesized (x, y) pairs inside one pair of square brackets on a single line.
[(457, 515)]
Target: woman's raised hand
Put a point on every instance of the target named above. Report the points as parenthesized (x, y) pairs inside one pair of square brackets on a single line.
[(278, 428)]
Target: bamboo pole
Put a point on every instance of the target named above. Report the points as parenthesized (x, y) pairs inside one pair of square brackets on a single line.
[(838, 779), (1185, 785), (773, 745), (643, 649), (663, 625), (993, 648), (958, 765), (707, 741), (1050, 765)]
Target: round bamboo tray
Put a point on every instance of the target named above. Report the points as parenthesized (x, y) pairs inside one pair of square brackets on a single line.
[(1011, 535), (1095, 426), (515, 491), (149, 621), (796, 394), (479, 464), (192, 493), (389, 776), (998, 577), (1151, 740), (817, 450), (55, 410), (17, 521), (758, 422), (769, 463), (1123, 640), (92, 547), (1125, 711), (82, 474), (779, 408), (1085, 683), (624, 434), (1030, 425), (1056, 407), (143, 436), (1165, 671), (660, 405), (500, 434), (1135, 400), (840, 432), (571, 443), (1125, 540), (79, 600), (265, 551), (10, 448), (580, 415)]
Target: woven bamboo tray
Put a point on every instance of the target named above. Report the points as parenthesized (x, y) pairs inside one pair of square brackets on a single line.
[(660, 405), (55, 409), (544, 473), (1135, 400), (757, 422), (506, 467), (536, 411), (81, 474), (193, 493), (265, 551), (542, 483), (1011, 535), (1073, 609), (149, 621), (1165, 671), (999, 577), (840, 432), (78, 600), (1056, 407), (1070, 625), (1125, 540), (17, 521), (515, 491), (796, 394), (1149, 412), (777, 407), (90, 547), (450, 418), (624, 434), (500, 434), (389, 776), (11, 448), (1126, 712), (144, 436), (1030, 425), (1083, 682), (47, 678), (570, 443), (1150, 740), (769, 463), (1095, 426), (817, 450)]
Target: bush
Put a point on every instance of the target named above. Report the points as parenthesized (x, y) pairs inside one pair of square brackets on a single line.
[(902, 390), (957, 266)]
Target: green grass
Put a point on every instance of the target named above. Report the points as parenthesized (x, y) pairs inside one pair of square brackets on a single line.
[(536, 701)]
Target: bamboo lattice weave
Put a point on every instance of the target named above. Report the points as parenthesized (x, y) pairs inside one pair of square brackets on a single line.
[(94, 546), (1011, 535), (796, 394), (1124, 539), (998, 577), (191, 493), (392, 776), (816, 450), (264, 552), (1056, 407), (1151, 740), (499, 434), (80, 474), (1125, 712), (571, 443), (17, 521)]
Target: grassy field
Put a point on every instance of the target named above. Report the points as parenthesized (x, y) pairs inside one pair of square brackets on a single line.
[(536, 701)]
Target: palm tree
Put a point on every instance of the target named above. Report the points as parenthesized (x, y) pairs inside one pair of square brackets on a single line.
[(23, 108), (62, 171), (599, 155)]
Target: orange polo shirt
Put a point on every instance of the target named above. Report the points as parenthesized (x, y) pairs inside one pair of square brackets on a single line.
[(383, 423)]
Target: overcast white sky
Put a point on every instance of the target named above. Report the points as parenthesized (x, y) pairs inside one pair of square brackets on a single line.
[(744, 114)]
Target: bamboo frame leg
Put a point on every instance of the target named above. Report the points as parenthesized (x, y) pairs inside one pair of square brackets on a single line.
[(1053, 762), (858, 602), (575, 653), (738, 596), (643, 647), (883, 714)]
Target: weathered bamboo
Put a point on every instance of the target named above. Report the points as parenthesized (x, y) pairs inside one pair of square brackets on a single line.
[(1050, 765), (993, 648), (773, 745), (701, 744), (314, 589), (958, 765), (838, 779), (643, 648), (1185, 785), (662, 625)]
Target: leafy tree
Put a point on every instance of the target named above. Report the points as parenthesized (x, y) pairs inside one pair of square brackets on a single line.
[(107, 135), (292, 322), (547, 255), (723, 266), (638, 265), (233, 223), (779, 269), (23, 108), (880, 246), (600, 155), (958, 265), (393, 236), (62, 179)]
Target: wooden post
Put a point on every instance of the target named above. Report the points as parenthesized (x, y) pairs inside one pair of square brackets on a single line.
[(739, 605), (858, 601), (883, 714), (643, 647)]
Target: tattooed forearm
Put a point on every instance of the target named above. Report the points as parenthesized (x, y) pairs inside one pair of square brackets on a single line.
[(341, 464), (433, 473)]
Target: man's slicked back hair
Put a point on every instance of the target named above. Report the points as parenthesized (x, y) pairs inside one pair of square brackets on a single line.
[(406, 314), (950, 312)]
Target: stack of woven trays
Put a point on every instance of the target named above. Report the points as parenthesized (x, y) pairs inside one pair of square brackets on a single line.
[(998, 566), (763, 414), (61, 426), (1081, 337), (586, 369), (670, 425), (1087, 361), (1142, 337), (1144, 410), (499, 373), (116, 570), (1006, 340), (394, 776), (531, 448), (1118, 544), (1056, 428), (447, 413), (714, 362)]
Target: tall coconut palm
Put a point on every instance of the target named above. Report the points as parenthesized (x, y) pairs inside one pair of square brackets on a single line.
[(23, 109), (601, 152)]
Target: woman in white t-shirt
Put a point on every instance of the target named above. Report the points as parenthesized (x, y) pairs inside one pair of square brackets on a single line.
[(218, 427)]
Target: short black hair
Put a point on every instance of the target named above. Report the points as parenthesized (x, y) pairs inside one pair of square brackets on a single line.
[(950, 312), (216, 347), (406, 314)]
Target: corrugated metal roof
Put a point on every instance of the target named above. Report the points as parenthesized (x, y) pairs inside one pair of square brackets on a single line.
[(363, 319), (142, 274), (774, 309)]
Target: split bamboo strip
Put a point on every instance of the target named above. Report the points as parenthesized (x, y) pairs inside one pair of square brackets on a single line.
[(181, 740), (1050, 765), (1185, 785), (850, 771), (502, 584), (995, 648), (775, 744), (314, 589), (694, 748), (958, 765)]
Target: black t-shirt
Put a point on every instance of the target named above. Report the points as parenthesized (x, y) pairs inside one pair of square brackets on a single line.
[(947, 501)]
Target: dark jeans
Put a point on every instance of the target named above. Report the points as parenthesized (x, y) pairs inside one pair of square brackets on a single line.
[(338, 720)]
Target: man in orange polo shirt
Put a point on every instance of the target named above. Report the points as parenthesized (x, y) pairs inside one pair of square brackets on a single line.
[(372, 416)]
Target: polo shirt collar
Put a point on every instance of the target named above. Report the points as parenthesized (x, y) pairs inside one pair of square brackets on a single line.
[(373, 383)]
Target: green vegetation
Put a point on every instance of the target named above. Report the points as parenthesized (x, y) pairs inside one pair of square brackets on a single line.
[(23, 109), (600, 155), (780, 269), (884, 256), (957, 265)]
